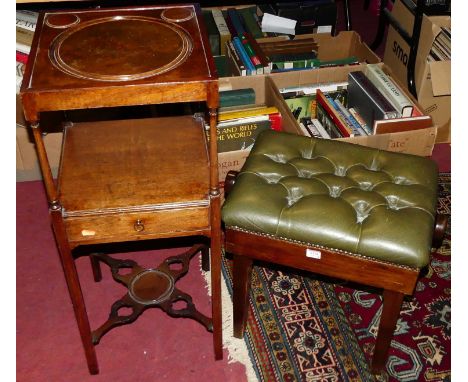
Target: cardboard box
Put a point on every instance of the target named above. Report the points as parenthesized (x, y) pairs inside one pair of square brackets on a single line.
[(432, 79), (265, 93), (345, 44), (27, 164), (418, 141)]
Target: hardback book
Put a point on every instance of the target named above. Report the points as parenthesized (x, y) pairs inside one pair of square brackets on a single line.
[(223, 30), (222, 66), (254, 59), (296, 91), (250, 18), (238, 46), (21, 57), (236, 22), (308, 128), (402, 124), (276, 121), (359, 120), (371, 104), (26, 19), (237, 97), (350, 120), (20, 67), (320, 128), (304, 131), (250, 112), (328, 124), (213, 33), (265, 63), (289, 46), (237, 65), (302, 106), (337, 118), (391, 90), (310, 15), (24, 38), (240, 134)]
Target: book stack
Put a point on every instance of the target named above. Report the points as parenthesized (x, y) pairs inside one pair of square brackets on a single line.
[(25, 26), (441, 47), (352, 108), (241, 120), (318, 16)]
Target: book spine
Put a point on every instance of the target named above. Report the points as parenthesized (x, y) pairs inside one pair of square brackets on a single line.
[(237, 97), (240, 136), (260, 54), (359, 120), (244, 57), (339, 122), (390, 89), (328, 123), (320, 128), (235, 59), (247, 113), (355, 125), (374, 94), (276, 121), (252, 55), (250, 21), (224, 34), (304, 131), (310, 127), (294, 64), (26, 20), (21, 57), (235, 21)]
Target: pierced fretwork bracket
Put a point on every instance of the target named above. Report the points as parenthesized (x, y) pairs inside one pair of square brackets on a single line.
[(150, 288)]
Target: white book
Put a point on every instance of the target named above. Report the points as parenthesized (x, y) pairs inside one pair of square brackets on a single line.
[(391, 90), (320, 128), (312, 89), (19, 75), (26, 19), (305, 132), (278, 24)]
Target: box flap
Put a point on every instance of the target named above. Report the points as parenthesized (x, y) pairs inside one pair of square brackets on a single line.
[(441, 77)]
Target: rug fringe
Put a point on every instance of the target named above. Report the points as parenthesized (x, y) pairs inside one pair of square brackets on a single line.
[(236, 347)]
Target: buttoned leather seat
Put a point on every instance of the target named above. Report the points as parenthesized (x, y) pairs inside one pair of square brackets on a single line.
[(335, 208)]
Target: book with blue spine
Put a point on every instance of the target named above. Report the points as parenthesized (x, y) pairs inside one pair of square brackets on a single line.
[(244, 56), (236, 21)]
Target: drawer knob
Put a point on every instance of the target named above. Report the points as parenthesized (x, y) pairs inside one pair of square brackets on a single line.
[(139, 226)]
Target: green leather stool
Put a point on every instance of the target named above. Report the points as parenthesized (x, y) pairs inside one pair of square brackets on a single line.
[(336, 209)]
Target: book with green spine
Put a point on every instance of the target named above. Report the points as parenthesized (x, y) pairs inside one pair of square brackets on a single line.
[(249, 15), (237, 97)]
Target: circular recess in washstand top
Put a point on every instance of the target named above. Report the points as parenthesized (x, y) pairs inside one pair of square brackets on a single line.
[(151, 287), (120, 48), (177, 15)]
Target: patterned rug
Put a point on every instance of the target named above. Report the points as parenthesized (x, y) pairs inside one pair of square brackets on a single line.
[(303, 328)]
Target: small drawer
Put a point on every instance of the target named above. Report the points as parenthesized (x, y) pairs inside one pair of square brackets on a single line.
[(136, 225)]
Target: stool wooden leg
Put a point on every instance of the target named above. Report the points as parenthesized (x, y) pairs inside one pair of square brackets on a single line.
[(391, 311), (74, 288), (242, 273)]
